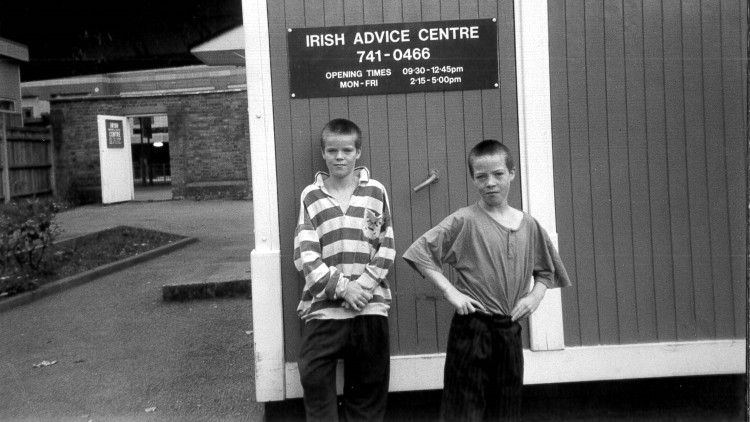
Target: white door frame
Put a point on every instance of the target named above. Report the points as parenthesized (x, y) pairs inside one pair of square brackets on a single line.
[(535, 142), (268, 318)]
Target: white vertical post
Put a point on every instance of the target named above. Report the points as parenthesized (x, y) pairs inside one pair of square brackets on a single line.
[(535, 134), (265, 259)]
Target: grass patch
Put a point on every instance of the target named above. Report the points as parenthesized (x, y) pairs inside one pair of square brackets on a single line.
[(74, 256)]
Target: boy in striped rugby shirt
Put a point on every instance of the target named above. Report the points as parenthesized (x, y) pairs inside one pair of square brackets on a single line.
[(344, 247)]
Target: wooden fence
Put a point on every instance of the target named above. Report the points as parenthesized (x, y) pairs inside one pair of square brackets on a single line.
[(26, 160)]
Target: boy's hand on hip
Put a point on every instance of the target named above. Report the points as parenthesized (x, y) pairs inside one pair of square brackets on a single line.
[(464, 304), (356, 296), (527, 305)]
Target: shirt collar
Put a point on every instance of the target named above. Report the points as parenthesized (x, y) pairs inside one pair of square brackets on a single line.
[(362, 172)]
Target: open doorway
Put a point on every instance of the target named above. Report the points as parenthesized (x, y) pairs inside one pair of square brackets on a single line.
[(152, 177)]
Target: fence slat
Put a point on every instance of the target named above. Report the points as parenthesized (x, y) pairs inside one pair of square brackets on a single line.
[(27, 162)]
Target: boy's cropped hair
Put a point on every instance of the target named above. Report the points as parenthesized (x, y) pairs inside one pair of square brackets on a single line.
[(341, 127), (490, 147)]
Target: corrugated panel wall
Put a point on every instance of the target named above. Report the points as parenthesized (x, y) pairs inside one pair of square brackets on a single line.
[(648, 110), (404, 137)]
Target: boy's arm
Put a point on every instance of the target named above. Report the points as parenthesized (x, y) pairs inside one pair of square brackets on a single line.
[(549, 272), (528, 304), (377, 269), (322, 281), (464, 304)]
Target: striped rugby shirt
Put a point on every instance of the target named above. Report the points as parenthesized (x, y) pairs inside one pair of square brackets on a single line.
[(332, 249)]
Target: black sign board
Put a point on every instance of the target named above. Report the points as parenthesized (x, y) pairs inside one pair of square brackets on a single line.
[(392, 58), (115, 138)]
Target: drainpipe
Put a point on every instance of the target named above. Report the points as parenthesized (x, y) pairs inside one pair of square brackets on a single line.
[(6, 161)]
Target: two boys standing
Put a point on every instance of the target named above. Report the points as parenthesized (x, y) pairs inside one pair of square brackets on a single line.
[(344, 246)]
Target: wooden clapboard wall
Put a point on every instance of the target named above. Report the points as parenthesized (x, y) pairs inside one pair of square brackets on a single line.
[(405, 135), (649, 141)]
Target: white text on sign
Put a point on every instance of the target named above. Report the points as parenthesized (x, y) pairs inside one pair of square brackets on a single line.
[(394, 36)]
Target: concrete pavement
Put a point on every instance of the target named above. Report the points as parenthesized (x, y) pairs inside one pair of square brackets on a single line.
[(224, 230), (122, 351), (157, 192)]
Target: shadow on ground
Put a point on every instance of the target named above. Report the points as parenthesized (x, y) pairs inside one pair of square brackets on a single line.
[(711, 398)]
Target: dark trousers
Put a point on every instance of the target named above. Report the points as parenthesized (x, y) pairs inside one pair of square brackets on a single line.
[(363, 343), (483, 369)]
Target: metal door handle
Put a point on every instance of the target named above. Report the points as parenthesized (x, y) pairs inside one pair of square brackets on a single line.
[(433, 178)]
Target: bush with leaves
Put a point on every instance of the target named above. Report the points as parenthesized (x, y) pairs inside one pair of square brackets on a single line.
[(27, 229)]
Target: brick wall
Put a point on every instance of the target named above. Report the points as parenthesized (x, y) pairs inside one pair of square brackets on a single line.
[(209, 142)]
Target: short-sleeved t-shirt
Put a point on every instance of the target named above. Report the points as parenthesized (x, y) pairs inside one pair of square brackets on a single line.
[(494, 264)]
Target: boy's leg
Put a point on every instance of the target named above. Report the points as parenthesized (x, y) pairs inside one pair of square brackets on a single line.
[(367, 369), (466, 377), (322, 344), (504, 395)]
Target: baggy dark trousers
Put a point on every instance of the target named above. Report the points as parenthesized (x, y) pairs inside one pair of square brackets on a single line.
[(363, 343), (483, 369)]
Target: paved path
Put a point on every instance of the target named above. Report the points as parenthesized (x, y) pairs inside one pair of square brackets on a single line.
[(158, 192), (224, 230), (120, 349)]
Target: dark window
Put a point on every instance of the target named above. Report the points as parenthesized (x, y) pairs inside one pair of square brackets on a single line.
[(7, 105)]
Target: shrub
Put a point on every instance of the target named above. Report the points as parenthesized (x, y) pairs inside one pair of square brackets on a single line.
[(27, 229)]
